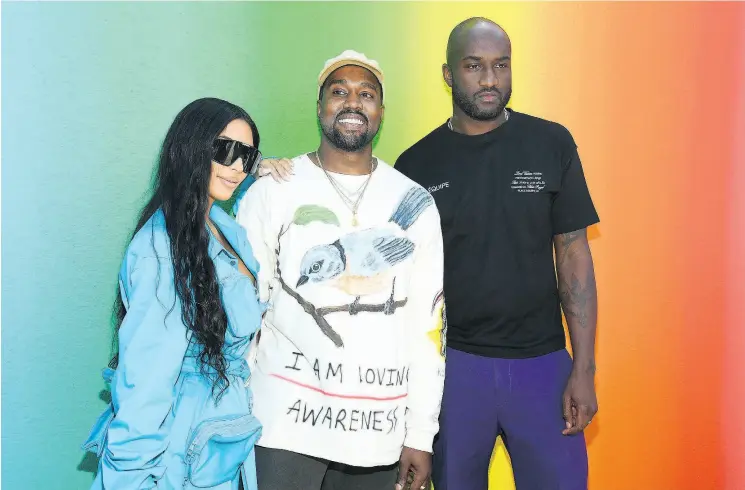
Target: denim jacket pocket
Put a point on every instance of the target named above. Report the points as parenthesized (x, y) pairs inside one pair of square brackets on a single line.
[(96, 440), (218, 448)]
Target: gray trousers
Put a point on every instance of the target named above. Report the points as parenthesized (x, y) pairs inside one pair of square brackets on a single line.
[(277, 469)]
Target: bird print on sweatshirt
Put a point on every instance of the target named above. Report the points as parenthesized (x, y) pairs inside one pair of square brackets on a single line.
[(362, 262)]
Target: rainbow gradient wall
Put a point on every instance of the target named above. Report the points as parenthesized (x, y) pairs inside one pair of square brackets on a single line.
[(654, 94)]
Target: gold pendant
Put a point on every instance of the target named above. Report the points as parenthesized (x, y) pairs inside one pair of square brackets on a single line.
[(354, 219)]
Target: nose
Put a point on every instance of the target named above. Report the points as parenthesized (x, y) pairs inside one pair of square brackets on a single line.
[(353, 101), (489, 78), (237, 165)]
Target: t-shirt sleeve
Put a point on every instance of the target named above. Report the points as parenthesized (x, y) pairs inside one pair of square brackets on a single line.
[(572, 208)]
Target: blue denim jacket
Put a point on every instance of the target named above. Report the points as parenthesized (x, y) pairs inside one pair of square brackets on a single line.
[(163, 429)]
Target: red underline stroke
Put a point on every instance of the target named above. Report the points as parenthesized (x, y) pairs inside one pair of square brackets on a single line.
[(336, 395)]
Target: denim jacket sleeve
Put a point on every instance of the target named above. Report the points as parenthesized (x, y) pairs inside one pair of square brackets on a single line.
[(152, 343)]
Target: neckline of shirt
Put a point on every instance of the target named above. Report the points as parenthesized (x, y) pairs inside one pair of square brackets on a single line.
[(337, 175), (489, 135)]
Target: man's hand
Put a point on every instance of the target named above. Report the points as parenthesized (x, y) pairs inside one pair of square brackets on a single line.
[(419, 463), (580, 402)]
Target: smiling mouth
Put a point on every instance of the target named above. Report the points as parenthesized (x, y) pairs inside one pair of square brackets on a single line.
[(229, 182), (353, 120)]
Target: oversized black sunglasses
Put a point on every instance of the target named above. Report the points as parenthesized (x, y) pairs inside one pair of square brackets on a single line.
[(226, 151)]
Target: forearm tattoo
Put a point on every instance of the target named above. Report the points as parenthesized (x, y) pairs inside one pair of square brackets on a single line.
[(577, 295)]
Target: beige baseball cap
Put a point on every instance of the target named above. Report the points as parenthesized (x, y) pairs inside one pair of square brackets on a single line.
[(350, 57)]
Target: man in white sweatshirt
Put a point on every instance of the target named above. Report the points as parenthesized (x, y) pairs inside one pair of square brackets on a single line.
[(349, 367)]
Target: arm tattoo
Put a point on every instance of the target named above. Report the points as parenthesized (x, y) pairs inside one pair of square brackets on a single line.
[(574, 297), (566, 240)]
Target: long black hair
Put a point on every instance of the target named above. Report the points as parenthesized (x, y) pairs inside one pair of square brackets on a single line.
[(180, 191)]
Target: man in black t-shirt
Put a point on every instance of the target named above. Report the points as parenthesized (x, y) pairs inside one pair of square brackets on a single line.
[(511, 191)]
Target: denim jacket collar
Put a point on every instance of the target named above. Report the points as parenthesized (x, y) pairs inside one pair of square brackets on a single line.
[(235, 235)]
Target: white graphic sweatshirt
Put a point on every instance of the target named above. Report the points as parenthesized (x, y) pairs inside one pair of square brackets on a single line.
[(350, 362)]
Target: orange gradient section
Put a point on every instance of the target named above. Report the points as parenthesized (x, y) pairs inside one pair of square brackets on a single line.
[(654, 95), (733, 409)]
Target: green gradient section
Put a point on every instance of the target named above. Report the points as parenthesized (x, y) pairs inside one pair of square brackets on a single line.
[(88, 92)]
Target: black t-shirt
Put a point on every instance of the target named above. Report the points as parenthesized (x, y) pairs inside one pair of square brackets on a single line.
[(502, 196)]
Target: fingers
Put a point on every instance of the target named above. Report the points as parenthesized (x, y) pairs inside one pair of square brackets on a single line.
[(276, 175), (279, 169), (583, 418), (420, 480), (403, 472), (286, 169), (587, 413), (568, 416), (586, 417)]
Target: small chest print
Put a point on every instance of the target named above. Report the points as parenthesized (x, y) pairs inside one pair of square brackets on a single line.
[(435, 188), (527, 181)]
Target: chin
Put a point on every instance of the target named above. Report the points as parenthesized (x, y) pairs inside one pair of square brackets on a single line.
[(487, 114), (221, 194)]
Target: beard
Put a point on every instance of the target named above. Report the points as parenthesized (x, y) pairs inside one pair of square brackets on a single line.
[(348, 142), (467, 103)]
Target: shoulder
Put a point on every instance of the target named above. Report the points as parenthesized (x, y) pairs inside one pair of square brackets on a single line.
[(152, 239), (398, 179), (224, 221), (260, 191), (536, 127), (147, 259), (267, 187), (409, 190), (271, 199), (422, 150)]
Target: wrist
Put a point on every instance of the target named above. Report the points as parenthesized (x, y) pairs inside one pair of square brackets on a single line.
[(419, 440), (584, 366)]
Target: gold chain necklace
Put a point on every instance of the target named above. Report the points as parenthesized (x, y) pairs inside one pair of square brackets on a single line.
[(353, 206)]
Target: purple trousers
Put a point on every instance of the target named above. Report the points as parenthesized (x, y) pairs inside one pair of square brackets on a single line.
[(519, 399)]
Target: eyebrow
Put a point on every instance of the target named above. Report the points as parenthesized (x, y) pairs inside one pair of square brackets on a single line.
[(341, 81), (478, 58)]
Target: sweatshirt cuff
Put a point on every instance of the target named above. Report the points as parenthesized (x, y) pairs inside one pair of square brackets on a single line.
[(419, 440)]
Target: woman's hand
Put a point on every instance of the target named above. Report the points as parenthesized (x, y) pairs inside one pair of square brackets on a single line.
[(279, 168)]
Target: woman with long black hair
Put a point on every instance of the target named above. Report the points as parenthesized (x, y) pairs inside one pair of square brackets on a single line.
[(180, 415)]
